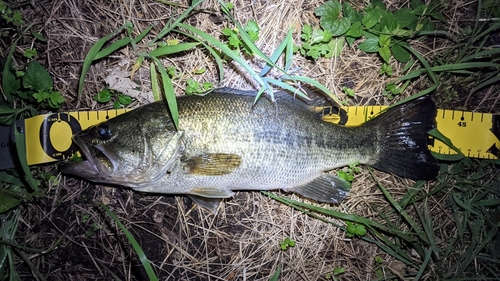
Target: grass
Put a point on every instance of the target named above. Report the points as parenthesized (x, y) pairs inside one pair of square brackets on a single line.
[(471, 199), (446, 230)]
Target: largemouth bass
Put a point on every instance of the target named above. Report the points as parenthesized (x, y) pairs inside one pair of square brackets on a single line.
[(225, 142)]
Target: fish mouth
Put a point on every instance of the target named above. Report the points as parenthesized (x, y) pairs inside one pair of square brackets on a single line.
[(99, 163)]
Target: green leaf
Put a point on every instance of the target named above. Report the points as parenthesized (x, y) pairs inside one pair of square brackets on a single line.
[(350, 13), (348, 91), (339, 26), (438, 135), (385, 53), (307, 31), (252, 28), (55, 99), (30, 53), (400, 53), (276, 274), (330, 21), (329, 12), (405, 17), (386, 69), (124, 99), (370, 45), (155, 88), (7, 202), (41, 96), (372, 18), (168, 91), (36, 77), (338, 270), (388, 22), (175, 24), (210, 39), (384, 40), (103, 96), (355, 30)]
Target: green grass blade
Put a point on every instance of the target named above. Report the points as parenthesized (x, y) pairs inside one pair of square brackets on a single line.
[(215, 55), (424, 62), (92, 54), (246, 38), (464, 65), (482, 54), (168, 91), (154, 81), (228, 52), (314, 83), (488, 82), (143, 34), (21, 153), (172, 49), (400, 210), (276, 274), (170, 27), (7, 76), (289, 50), (486, 32), (438, 135), (415, 96), (140, 253), (286, 86), (386, 244), (113, 47), (8, 178), (276, 54)]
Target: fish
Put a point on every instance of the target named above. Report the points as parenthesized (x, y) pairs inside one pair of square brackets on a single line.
[(227, 141)]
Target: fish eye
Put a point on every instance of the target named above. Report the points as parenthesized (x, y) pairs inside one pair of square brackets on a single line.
[(103, 132)]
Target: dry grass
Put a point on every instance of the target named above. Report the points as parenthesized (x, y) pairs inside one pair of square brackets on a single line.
[(183, 241)]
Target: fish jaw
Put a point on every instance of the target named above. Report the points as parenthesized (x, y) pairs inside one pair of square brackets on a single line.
[(99, 163)]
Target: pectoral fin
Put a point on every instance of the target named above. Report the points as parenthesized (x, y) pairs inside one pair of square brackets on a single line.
[(214, 164), (325, 188)]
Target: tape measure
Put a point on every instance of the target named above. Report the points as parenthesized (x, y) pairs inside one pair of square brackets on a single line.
[(48, 136), (475, 134)]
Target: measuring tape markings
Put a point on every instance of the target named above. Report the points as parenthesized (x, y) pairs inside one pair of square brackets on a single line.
[(474, 134), (48, 137)]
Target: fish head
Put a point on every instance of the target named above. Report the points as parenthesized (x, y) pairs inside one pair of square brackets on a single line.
[(133, 149)]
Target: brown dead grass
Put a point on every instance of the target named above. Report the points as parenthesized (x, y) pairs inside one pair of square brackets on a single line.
[(183, 241)]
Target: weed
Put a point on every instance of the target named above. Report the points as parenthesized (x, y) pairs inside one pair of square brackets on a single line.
[(348, 173), (195, 87), (286, 243), (119, 100)]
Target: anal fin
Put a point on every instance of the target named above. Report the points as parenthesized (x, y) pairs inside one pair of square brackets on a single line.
[(210, 204), (325, 188)]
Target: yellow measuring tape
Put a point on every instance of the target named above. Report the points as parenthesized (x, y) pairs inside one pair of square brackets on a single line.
[(48, 137)]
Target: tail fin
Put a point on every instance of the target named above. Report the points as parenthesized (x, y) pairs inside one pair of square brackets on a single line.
[(403, 139)]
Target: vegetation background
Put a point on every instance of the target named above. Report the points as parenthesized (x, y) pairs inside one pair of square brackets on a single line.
[(389, 228)]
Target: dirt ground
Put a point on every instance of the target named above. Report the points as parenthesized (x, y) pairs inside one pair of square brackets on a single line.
[(183, 241)]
